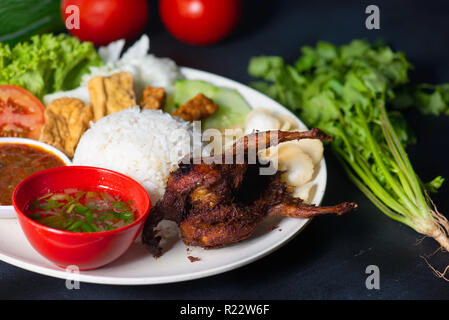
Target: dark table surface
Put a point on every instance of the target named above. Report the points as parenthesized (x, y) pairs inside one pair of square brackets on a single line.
[(329, 258)]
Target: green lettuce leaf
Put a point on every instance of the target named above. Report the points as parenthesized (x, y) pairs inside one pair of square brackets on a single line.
[(47, 63)]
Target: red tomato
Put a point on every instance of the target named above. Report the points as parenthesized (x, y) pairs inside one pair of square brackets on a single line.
[(104, 21), (21, 113), (200, 22)]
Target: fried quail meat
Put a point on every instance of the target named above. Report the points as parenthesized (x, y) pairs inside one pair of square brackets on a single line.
[(216, 204), (66, 119), (152, 98), (198, 108), (111, 94)]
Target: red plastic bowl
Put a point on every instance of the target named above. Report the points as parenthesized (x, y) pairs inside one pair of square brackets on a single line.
[(83, 250)]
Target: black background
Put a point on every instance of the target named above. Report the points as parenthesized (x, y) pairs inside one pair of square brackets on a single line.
[(328, 259)]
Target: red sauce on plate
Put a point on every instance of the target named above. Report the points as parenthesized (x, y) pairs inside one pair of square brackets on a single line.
[(18, 161)]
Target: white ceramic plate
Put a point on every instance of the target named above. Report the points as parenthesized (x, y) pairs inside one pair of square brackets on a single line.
[(137, 267), (7, 212)]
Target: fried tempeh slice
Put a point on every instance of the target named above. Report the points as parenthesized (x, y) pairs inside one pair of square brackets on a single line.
[(198, 108), (152, 98), (111, 94), (66, 119)]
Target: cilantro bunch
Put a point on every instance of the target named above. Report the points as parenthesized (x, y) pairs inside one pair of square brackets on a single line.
[(347, 92)]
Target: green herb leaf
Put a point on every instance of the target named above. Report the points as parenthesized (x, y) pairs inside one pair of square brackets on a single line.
[(345, 91), (47, 63), (435, 184)]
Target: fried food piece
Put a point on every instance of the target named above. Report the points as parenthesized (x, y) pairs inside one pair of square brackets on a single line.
[(152, 98), (216, 204), (111, 94), (198, 108), (66, 119)]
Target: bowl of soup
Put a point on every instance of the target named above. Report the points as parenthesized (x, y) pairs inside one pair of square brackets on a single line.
[(20, 158), (81, 216)]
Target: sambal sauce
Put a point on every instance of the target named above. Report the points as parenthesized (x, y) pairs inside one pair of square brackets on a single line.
[(18, 161)]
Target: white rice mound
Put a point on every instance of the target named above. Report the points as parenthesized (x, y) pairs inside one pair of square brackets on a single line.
[(144, 145)]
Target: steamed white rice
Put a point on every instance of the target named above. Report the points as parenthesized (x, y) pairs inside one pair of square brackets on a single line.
[(144, 145)]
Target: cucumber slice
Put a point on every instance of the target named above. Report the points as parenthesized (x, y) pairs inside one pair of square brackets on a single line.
[(170, 103), (233, 108), (187, 89)]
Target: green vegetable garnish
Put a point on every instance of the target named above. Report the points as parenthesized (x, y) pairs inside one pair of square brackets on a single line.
[(82, 211), (93, 227), (89, 216), (68, 223), (70, 208), (56, 222), (47, 63), (48, 195), (108, 227), (344, 91), (86, 227), (50, 204), (119, 205), (75, 225)]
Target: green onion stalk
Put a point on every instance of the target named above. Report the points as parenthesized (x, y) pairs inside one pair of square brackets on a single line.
[(402, 196)]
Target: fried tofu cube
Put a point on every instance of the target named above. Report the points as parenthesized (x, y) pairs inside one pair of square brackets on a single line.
[(198, 108), (111, 94), (66, 119), (152, 98)]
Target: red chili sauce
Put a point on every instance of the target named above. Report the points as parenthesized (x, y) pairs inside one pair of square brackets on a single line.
[(18, 161)]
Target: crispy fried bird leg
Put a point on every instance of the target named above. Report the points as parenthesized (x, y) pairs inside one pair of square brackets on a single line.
[(216, 204)]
